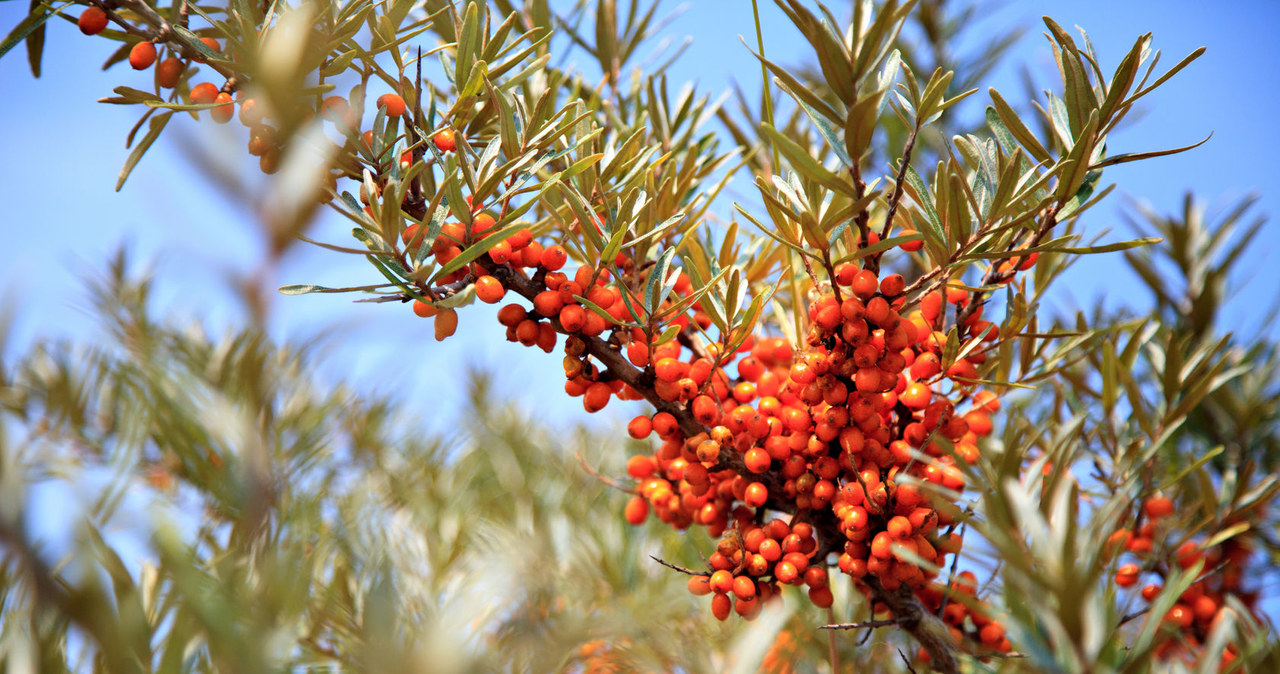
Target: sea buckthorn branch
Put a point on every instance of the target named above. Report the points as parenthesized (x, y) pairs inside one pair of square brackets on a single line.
[(848, 442), (108, 9), (681, 569), (163, 31), (865, 624), (899, 183)]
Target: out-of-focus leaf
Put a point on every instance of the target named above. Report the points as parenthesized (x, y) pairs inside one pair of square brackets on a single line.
[(157, 125)]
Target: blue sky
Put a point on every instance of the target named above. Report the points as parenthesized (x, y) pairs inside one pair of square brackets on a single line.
[(63, 152)]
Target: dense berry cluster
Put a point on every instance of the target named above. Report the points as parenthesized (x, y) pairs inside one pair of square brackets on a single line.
[(856, 432), (1152, 553)]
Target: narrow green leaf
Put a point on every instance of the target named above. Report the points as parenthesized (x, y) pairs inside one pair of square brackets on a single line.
[(880, 247), (35, 43), (157, 125), (1015, 126), (803, 162), (1070, 250), (922, 196), (1137, 156), (34, 21)]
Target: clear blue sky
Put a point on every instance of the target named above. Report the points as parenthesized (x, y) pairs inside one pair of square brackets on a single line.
[(62, 152)]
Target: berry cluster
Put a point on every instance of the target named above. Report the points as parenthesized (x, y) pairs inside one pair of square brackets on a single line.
[(177, 70), (749, 569), (1199, 608)]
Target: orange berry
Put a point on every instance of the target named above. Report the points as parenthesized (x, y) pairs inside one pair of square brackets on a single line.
[(393, 103), (757, 460), (269, 161), (445, 141), (892, 285), (223, 112), (699, 585), (1205, 608), (250, 112), (261, 141), (785, 572), (211, 43), (573, 317), (640, 427), (722, 582), (511, 315), (424, 310), (553, 258), (548, 303), (169, 72), (979, 423), (911, 246), (489, 289), (705, 410), (986, 401), (1127, 575), (744, 588), (481, 225), (864, 284), (845, 273), (664, 424), (641, 467), (916, 396), (446, 324), (204, 93), (1188, 554), (596, 397), (1157, 507), (670, 369), (1150, 592), (142, 55), (756, 495), (992, 634), (500, 253), (881, 545), (821, 597), (1180, 615), (337, 110), (92, 21), (721, 606), (637, 510)]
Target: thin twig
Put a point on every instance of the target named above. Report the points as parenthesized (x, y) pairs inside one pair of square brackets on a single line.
[(603, 478), (906, 661), (864, 624), (896, 198), (833, 655), (681, 569), (164, 31)]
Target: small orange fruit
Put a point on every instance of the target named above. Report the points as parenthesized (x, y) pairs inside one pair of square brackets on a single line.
[(445, 141), (393, 103), (142, 55), (489, 289), (169, 72), (204, 93), (222, 114), (92, 21)]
